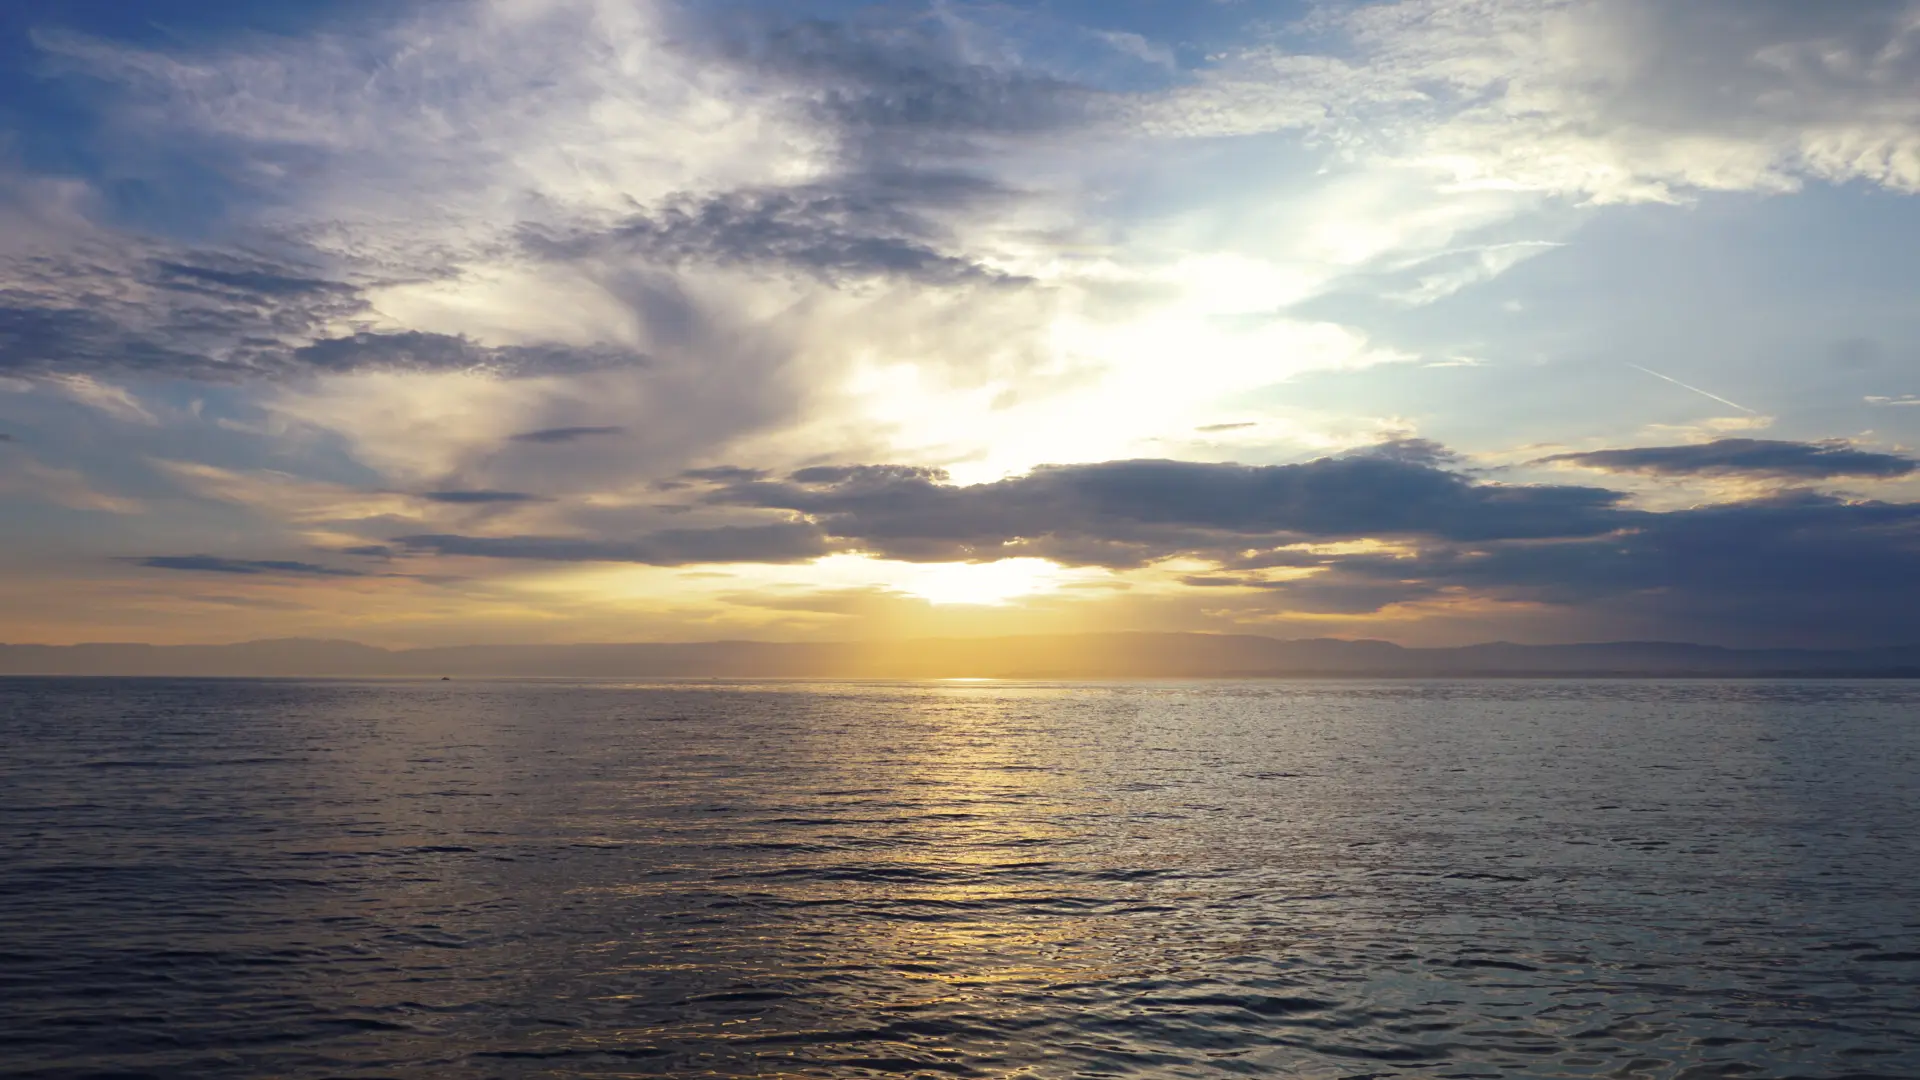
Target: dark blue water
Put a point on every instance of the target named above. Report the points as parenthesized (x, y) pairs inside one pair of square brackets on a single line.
[(1453, 879)]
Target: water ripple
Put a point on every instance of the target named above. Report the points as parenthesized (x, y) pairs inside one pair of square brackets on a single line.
[(1380, 879)]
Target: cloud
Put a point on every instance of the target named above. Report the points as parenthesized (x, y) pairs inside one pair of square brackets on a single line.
[(28, 478), (1452, 538), (363, 196), (567, 95), (701, 227), (665, 235), (262, 603), (1397, 529), (1139, 48), (551, 436), (1761, 569), (738, 297), (1450, 272), (415, 350), (856, 229), (895, 84), (725, 474), (228, 276), (704, 383), (147, 335), (782, 543), (215, 564), (90, 299), (67, 341), (1749, 457), (289, 498), (115, 401), (1608, 100), (480, 498), (1125, 513)]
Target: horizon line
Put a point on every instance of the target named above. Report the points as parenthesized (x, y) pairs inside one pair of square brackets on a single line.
[(894, 642)]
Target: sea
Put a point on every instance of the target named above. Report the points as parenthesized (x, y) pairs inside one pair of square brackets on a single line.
[(1451, 879)]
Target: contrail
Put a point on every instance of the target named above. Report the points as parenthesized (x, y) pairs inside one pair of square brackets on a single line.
[(1695, 389)]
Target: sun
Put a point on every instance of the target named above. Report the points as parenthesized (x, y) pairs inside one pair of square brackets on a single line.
[(987, 583)]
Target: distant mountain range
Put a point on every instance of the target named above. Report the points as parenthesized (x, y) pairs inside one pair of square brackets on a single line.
[(1124, 655)]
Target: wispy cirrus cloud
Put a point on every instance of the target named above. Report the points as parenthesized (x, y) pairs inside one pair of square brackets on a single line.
[(24, 477), (1607, 100)]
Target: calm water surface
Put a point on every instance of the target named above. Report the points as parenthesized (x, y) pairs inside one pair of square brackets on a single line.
[(1385, 879)]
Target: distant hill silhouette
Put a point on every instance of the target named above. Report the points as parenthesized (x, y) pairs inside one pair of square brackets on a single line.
[(1120, 655)]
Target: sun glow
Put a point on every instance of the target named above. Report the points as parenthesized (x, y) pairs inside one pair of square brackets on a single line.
[(981, 584), (1104, 394), (988, 584)]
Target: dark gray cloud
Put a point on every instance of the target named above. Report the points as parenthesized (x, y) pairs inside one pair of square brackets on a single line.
[(1771, 567), (223, 317), (725, 474), (718, 474), (262, 603), (47, 340), (480, 498), (215, 564), (860, 227), (900, 80), (1801, 568), (375, 551), (230, 276), (1753, 457), (185, 312), (209, 295), (56, 341), (1766, 566), (414, 350), (1412, 452), (550, 436), (1808, 567), (1131, 512), (869, 475), (776, 543)]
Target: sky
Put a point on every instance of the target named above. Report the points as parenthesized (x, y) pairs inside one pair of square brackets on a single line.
[(1436, 321)]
